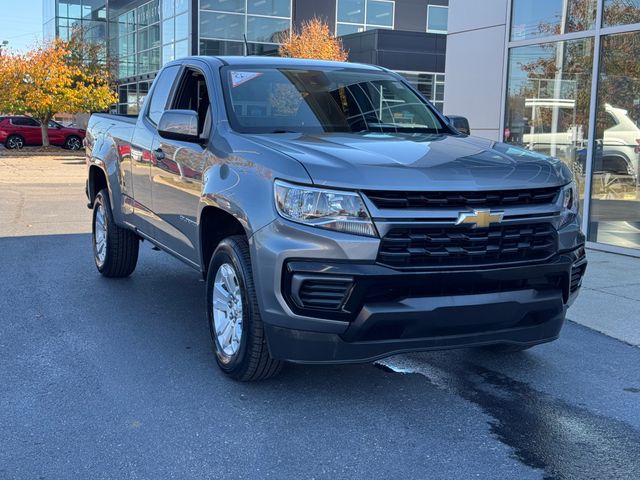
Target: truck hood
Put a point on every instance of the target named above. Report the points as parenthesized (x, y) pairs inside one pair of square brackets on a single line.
[(416, 162)]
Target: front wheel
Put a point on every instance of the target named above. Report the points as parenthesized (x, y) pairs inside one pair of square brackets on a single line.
[(115, 249), (73, 143), (237, 332)]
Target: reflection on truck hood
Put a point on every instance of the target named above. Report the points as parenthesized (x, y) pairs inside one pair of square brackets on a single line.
[(416, 162)]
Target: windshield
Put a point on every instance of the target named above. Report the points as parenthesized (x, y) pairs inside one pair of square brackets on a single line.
[(280, 100)]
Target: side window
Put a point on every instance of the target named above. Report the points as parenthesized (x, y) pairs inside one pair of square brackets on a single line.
[(610, 121), (161, 92), (24, 122), (192, 94)]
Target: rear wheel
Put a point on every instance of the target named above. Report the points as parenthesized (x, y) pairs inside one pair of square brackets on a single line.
[(237, 332), (115, 249), (14, 142), (73, 143)]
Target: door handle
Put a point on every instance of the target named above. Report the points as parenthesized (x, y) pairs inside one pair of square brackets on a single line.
[(158, 153)]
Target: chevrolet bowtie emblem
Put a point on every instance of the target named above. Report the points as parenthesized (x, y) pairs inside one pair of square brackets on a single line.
[(480, 218)]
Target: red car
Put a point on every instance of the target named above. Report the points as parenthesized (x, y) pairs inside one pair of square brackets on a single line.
[(19, 131)]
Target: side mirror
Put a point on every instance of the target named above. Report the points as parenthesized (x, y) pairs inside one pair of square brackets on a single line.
[(460, 123), (179, 125)]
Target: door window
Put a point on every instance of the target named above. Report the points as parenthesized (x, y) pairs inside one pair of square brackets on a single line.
[(161, 92), (193, 95)]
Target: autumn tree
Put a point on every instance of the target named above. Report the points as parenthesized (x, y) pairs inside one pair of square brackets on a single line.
[(313, 40), (50, 80)]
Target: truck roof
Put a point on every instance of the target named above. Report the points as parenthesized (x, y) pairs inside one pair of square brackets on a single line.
[(256, 60)]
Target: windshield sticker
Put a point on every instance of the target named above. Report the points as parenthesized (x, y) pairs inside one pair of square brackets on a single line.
[(238, 78)]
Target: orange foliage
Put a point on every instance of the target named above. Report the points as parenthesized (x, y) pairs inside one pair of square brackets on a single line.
[(314, 40)]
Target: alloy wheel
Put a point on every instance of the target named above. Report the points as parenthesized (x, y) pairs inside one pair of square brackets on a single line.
[(227, 310), (74, 143), (100, 234), (15, 143)]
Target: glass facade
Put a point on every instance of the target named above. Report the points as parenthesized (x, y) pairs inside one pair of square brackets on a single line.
[(62, 18), (137, 36), (573, 92), (224, 25), (354, 16)]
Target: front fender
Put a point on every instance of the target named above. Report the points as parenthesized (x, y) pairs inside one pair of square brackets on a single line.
[(238, 178)]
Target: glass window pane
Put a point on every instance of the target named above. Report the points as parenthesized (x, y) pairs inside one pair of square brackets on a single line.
[(264, 29), (221, 25), (223, 5), (380, 13), (621, 12), (217, 47), (278, 8), (548, 100), (168, 53), (167, 8), (182, 49), (182, 26), (541, 18), (351, 11), (154, 35), (143, 39), (437, 19), (182, 6), (346, 29), (530, 19), (581, 15), (167, 31), (265, 49), (615, 192), (154, 59)]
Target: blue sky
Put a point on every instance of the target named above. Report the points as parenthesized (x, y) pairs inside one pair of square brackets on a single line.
[(21, 23)]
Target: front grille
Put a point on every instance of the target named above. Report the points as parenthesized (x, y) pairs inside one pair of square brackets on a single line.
[(460, 246), (321, 293), (420, 200)]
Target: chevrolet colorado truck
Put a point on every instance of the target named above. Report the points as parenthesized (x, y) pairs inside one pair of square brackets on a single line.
[(335, 214)]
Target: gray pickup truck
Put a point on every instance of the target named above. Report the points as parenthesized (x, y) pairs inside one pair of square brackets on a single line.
[(335, 214)]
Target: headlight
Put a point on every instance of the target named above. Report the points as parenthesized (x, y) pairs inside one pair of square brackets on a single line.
[(570, 203), (320, 207)]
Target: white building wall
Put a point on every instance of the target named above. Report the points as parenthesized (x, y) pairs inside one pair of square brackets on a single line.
[(474, 66)]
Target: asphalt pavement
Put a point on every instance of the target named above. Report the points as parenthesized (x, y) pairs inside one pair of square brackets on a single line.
[(107, 378)]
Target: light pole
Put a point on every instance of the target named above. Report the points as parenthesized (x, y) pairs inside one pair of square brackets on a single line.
[(4, 43)]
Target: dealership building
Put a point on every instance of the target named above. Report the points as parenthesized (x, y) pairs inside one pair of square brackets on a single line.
[(560, 77), (407, 36)]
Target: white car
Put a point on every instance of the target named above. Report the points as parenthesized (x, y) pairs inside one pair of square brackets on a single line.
[(620, 143)]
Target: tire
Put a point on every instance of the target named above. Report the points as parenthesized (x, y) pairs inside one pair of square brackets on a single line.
[(14, 142), (115, 249), (246, 358), (507, 348), (73, 142)]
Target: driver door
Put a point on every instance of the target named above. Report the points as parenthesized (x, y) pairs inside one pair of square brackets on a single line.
[(177, 168)]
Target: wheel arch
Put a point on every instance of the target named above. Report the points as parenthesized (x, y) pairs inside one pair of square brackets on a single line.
[(215, 224), (104, 157)]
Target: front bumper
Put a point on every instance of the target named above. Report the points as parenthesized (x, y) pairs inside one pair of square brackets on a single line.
[(387, 311)]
